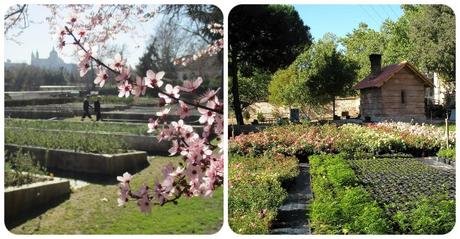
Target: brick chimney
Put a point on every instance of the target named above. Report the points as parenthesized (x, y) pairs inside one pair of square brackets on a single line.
[(376, 63)]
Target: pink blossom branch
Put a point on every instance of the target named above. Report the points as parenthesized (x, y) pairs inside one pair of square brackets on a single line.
[(99, 62)]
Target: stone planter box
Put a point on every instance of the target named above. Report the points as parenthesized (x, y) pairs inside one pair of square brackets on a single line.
[(67, 160), (22, 199)]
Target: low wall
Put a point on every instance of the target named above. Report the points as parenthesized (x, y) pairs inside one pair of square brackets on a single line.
[(19, 200), (66, 160)]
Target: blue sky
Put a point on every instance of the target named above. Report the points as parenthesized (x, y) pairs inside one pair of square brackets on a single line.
[(342, 19)]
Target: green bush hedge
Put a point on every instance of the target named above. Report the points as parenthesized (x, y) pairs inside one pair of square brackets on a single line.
[(82, 142), (340, 205), (255, 191)]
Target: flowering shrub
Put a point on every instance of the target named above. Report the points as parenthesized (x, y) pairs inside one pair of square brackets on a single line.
[(304, 140), (202, 168), (255, 191)]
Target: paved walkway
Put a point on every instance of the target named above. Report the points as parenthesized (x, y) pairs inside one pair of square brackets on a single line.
[(292, 215)]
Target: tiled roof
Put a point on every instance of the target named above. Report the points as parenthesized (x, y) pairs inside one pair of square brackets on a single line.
[(386, 73)]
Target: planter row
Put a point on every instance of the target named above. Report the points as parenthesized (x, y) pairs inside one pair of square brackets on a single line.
[(81, 162), (29, 197)]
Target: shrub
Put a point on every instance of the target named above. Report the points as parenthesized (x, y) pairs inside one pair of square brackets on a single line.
[(20, 169), (448, 153), (339, 206), (255, 190), (260, 117), (82, 142)]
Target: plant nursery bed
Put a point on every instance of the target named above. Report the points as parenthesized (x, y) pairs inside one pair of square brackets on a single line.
[(28, 197), (67, 160)]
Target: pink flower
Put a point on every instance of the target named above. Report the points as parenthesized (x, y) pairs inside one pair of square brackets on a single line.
[(152, 125), (163, 113), (209, 95), (140, 87), (190, 86), (153, 80), (207, 116), (124, 89), (183, 110), (125, 74), (81, 32), (84, 68), (72, 19), (171, 93), (175, 148), (118, 62), (143, 200), (102, 77), (126, 178), (123, 194)]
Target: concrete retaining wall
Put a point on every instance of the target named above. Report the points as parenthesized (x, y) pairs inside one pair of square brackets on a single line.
[(105, 164), (19, 200)]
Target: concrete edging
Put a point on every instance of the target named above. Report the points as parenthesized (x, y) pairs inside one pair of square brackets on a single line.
[(28, 197), (67, 160)]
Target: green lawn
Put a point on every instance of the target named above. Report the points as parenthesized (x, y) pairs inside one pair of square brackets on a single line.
[(86, 213)]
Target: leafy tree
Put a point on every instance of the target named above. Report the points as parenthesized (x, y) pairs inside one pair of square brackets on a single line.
[(321, 74), (254, 88), (432, 30), (262, 36), (280, 88), (359, 44)]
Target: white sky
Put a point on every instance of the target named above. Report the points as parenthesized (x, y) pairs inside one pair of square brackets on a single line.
[(36, 37)]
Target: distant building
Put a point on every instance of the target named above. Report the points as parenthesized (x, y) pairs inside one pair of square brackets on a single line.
[(396, 92), (53, 62)]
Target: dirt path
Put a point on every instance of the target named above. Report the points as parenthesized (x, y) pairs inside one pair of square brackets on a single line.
[(292, 215)]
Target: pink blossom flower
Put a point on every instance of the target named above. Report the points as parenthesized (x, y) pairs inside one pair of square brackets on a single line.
[(207, 116), (72, 19), (183, 110), (125, 74), (209, 95), (123, 194), (126, 178), (124, 89), (140, 87), (171, 93), (163, 113), (190, 86), (118, 62), (102, 77), (175, 148), (152, 125), (153, 80)]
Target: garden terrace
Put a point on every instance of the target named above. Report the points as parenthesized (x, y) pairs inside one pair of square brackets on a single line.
[(255, 190), (82, 142)]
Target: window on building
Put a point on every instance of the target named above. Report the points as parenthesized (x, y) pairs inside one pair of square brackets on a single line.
[(403, 97)]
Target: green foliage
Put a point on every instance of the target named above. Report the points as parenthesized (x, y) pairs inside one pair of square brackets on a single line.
[(430, 215), (316, 77), (340, 206), (281, 91), (255, 191), (260, 117), (448, 153), (81, 142), (108, 127), (254, 88), (20, 169)]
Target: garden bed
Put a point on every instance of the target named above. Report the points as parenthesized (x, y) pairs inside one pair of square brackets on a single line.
[(67, 160), (28, 197)]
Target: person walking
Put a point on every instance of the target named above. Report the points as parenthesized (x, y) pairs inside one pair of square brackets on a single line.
[(97, 108), (86, 109)]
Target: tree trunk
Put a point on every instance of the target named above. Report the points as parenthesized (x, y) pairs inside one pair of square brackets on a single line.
[(235, 92), (333, 108)]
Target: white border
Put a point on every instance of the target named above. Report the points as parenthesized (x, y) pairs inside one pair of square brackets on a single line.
[(225, 6)]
